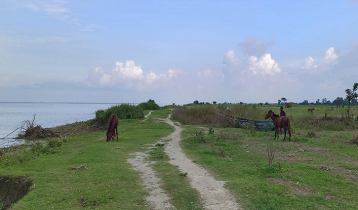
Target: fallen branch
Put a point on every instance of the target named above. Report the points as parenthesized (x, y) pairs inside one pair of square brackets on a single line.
[(77, 167)]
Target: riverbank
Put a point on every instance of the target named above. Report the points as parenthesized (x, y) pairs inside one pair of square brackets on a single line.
[(86, 170)]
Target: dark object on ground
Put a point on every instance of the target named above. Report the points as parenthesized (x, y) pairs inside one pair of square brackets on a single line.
[(13, 189), (40, 133)]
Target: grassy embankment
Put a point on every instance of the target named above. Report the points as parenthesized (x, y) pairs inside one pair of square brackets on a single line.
[(106, 180), (318, 169)]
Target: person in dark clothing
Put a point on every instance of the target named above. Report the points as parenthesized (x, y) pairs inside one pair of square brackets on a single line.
[(282, 113)]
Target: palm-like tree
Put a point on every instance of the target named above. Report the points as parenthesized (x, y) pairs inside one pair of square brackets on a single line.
[(351, 95)]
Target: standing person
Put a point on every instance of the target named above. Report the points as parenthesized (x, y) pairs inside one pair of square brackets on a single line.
[(282, 113)]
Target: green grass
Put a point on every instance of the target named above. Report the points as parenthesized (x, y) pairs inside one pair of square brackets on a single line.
[(319, 173), (175, 183), (318, 169), (109, 180)]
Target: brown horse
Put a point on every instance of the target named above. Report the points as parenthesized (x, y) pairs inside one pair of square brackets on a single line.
[(310, 109), (112, 130), (279, 122)]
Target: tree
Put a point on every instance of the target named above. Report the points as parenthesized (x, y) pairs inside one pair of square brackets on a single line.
[(324, 101), (305, 102), (351, 96), (196, 102), (283, 99), (214, 102), (279, 102), (338, 101), (317, 102)]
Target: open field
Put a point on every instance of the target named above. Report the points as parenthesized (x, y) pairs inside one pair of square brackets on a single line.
[(318, 169)]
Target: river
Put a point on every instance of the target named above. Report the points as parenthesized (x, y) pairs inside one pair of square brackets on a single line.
[(46, 114)]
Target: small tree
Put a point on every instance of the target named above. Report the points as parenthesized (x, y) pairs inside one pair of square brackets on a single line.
[(351, 96), (279, 102), (324, 101), (284, 99), (317, 102)]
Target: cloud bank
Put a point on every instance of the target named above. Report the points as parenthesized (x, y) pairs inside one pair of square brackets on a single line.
[(130, 76)]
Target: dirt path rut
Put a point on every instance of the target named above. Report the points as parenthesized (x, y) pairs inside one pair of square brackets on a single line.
[(212, 191), (213, 194)]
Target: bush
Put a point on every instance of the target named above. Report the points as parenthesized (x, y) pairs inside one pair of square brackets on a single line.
[(150, 105), (124, 111), (200, 115)]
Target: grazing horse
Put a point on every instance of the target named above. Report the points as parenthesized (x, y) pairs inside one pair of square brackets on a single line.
[(310, 109), (279, 122), (112, 130)]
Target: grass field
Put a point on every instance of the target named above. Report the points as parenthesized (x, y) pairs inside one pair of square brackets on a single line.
[(106, 181), (318, 169)]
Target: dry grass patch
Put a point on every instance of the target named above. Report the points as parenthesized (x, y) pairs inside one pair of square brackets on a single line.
[(296, 189)]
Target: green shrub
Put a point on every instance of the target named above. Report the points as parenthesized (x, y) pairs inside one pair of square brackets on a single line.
[(150, 105), (123, 111)]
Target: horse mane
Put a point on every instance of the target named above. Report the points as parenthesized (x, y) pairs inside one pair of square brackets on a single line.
[(274, 114), (111, 121)]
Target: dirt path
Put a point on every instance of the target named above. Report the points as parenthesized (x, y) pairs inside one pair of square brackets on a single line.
[(212, 192), (146, 117), (157, 198)]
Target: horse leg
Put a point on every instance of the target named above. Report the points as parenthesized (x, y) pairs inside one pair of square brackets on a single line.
[(289, 130), (116, 132)]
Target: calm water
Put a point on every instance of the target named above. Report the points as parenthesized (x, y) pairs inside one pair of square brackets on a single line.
[(47, 115)]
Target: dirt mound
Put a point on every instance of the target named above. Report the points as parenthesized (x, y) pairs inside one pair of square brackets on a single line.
[(39, 133), (12, 190)]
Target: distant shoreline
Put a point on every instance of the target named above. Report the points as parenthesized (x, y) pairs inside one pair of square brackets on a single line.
[(61, 103)]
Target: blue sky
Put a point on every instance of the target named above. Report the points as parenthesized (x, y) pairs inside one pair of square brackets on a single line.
[(177, 51)]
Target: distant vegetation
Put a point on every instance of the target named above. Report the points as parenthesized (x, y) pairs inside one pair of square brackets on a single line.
[(125, 111), (323, 117), (150, 105)]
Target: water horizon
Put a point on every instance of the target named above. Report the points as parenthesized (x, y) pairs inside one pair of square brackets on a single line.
[(45, 114)]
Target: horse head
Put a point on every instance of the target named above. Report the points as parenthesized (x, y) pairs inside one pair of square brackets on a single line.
[(269, 114), (109, 136)]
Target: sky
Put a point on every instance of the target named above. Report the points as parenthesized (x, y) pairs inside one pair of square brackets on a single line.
[(177, 51)]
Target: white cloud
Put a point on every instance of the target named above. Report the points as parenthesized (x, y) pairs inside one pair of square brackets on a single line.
[(131, 76), (330, 59), (230, 60), (330, 56), (309, 64), (263, 66), (128, 71)]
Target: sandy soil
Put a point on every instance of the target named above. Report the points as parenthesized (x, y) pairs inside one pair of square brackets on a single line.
[(213, 194), (212, 191)]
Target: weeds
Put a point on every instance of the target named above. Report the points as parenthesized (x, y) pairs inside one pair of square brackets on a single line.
[(354, 139), (311, 134), (211, 130), (200, 115), (270, 150), (19, 155)]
